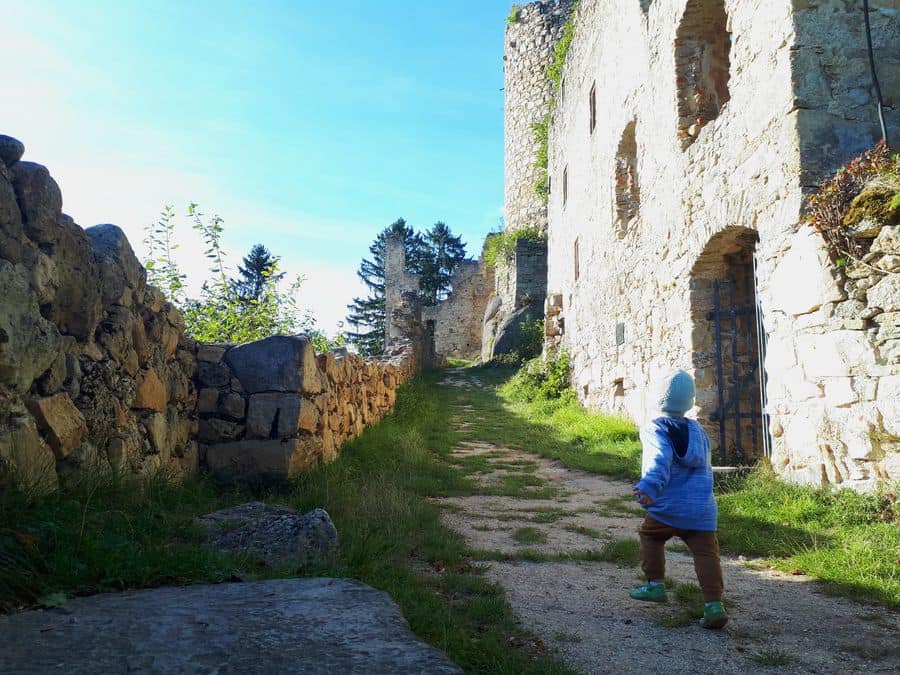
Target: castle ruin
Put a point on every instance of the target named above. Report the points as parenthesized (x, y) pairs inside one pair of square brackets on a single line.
[(683, 140)]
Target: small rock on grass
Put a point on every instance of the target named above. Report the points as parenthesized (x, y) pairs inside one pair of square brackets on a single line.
[(280, 535)]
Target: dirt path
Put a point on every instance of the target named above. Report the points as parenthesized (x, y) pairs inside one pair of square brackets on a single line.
[(579, 606)]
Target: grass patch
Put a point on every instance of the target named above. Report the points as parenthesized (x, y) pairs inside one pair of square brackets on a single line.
[(773, 657), (845, 539), (522, 486), (586, 531), (530, 535), (625, 552), (559, 429), (548, 514)]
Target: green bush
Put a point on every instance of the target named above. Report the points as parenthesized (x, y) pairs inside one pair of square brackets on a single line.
[(542, 380), (500, 247)]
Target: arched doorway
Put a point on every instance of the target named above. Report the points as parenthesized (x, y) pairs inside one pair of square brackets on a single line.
[(729, 348)]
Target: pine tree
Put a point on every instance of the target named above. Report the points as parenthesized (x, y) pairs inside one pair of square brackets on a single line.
[(258, 271), (445, 251), (367, 314)]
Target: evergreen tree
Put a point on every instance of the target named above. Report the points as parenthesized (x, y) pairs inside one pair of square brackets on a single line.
[(367, 314), (258, 272), (445, 252)]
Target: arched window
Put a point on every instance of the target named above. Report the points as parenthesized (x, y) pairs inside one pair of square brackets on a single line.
[(702, 64), (628, 196)]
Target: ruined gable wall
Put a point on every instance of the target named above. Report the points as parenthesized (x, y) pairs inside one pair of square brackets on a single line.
[(641, 278), (458, 319)]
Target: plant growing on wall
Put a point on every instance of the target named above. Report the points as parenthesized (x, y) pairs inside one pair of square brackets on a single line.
[(515, 14), (541, 129), (252, 307), (500, 247), (866, 189)]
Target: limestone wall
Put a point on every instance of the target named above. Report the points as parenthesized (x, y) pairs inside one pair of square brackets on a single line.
[(528, 48), (457, 321), (95, 370), (710, 127), (273, 407)]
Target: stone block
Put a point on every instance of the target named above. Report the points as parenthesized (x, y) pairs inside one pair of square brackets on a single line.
[(211, 353), (839, 392), (233, 406), (274, 415), (25, 459), (29, 344), (61, 423), (208, 401), (151, 393), (888, 401), (803, 280), (279, 363), (213, 374), (40, 200), (218, 431), (835, 354), (282, 458), (119, 267), (885, 295)]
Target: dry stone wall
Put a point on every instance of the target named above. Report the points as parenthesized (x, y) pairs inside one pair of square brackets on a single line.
[(95, 370), (273, 407), (681, 182)]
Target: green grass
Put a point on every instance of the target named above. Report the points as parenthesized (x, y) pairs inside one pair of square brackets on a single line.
[(838, 537), (773, 657), (530, 535), (586, 531), (377, 494), (559, 429), (625, 552)]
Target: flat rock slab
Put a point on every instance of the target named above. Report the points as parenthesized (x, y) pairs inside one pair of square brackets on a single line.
[(282, 626)]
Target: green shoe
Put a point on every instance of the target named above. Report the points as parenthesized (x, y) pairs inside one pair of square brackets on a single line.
[(714, 615), (649, 592)]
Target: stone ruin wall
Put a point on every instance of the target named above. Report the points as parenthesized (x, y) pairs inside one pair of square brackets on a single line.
[(456, 322), (528, 48), (274, 407), (520, 282), (665, 198), (95, 370), (97, 374)]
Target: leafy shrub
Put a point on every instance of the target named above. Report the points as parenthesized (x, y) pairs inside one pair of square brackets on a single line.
[(514, 14), (542, 380), (501, 246), (868, 185)]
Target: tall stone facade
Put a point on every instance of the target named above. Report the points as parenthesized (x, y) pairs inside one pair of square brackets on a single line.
[(531, 36), (532, 32), (681, 150)]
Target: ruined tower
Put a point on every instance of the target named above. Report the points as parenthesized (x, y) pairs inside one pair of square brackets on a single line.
[(532, 33), (531, 36)]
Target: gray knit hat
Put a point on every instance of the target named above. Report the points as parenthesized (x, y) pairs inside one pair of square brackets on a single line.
[(675, 393)]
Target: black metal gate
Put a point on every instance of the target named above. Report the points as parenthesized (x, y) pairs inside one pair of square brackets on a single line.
[(740, 374)]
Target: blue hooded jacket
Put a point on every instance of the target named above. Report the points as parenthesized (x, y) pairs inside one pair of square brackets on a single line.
[(677, 474)]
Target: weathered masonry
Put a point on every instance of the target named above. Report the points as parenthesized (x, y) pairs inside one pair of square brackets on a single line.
[(682, 143), (97, 374)]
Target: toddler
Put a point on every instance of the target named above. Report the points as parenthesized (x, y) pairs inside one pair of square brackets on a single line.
[(676, 489)]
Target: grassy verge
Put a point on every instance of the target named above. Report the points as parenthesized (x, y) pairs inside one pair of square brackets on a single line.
[(850, 542), (114, 536)]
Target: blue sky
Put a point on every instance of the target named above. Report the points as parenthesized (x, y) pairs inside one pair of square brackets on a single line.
[(308, 126)]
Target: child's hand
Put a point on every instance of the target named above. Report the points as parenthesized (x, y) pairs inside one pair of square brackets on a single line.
[(642, 498)]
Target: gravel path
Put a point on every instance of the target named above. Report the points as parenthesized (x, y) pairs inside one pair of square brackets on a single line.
[(779, 623)]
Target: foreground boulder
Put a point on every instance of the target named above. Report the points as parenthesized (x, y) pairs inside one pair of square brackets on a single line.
[(284, 626), (280, 535)]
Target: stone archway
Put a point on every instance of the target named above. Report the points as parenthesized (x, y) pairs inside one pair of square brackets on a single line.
[(727, 348)]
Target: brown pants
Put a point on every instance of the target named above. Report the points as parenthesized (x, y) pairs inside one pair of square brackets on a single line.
[(703, 545)]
